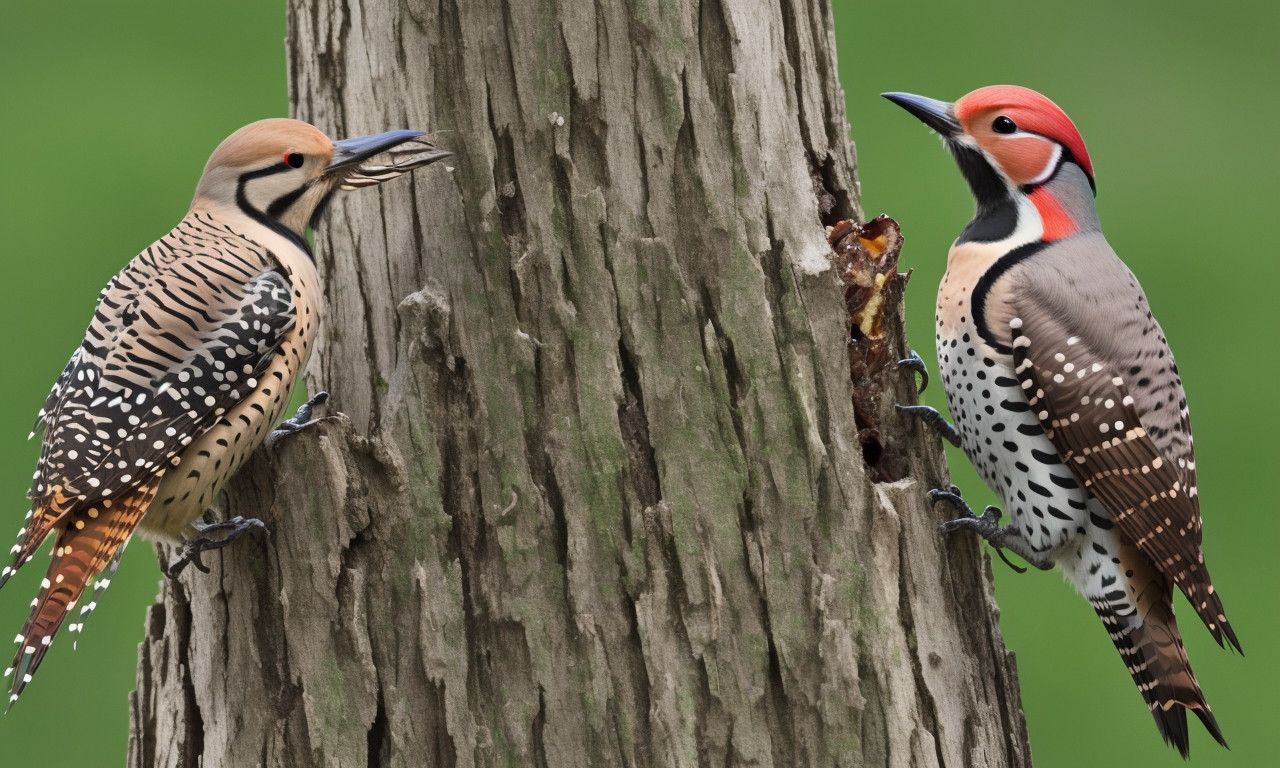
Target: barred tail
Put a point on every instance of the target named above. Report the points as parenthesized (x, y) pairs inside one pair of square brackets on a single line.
[(87, 543), (1208, 606), (39, 523), (1151, 646)]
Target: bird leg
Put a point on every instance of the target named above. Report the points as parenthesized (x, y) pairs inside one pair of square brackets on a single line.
[(301, 420), (193, 548), (987, 525), (915, 364), (934, 420)]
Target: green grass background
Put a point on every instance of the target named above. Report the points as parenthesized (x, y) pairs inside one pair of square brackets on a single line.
[(110, 110)]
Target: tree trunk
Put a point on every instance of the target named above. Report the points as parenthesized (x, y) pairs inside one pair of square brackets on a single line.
[(597, 497)]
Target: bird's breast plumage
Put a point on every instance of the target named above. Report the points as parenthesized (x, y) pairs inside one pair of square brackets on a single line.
[(1002, 436), (203, 467)]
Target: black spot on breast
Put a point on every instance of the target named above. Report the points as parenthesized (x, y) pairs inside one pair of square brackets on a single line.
[(1101, 522), (1058, 513), (1038, 489), (1044, 457)]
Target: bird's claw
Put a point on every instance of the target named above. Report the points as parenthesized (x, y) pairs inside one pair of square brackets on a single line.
[(193, 549), (986, 525), (915, 364), (934, 420), (951, 496), (300, 421)]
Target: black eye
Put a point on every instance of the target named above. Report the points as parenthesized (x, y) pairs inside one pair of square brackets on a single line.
[(294, 159), (1003, 124)]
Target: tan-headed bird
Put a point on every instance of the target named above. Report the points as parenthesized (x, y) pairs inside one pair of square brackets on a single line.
[(189, 361), (1065, 393)]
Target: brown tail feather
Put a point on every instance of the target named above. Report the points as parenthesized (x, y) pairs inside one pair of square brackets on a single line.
[(1208, 606), (40, 522), (86, 543), (1151, 646)]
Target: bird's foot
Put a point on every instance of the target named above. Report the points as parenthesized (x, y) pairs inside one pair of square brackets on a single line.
[(192, 549), (987, 525), (916, 365), (300, 421), (934, 420)]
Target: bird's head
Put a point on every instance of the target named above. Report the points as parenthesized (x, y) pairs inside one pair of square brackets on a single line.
[(280, 172), (1012, 142)]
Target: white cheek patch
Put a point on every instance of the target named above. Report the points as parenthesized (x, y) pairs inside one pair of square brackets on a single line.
[(1049, 168)]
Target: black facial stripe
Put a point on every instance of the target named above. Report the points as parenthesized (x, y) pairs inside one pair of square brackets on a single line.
[(282, 203), (987, 185), (988, 279), (992, 223), (318, 213), (242, 202), (997, 214)]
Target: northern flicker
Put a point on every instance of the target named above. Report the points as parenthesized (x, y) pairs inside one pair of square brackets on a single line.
[(1065, 394), (187, 364)]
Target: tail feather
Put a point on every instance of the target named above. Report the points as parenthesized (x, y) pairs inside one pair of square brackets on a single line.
[(39, 523), (89, 540), (99, 586), (1208, 606), (67, 577), (1151, 646)]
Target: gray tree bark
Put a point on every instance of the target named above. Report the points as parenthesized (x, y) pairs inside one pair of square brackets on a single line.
[(597, 497)]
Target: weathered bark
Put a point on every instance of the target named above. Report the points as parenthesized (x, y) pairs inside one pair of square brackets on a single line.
[(597, 497)]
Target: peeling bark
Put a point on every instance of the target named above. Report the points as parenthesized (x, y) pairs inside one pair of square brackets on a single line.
[(597, 496)]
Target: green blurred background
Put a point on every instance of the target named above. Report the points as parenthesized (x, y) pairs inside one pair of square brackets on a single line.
[(110, 110)]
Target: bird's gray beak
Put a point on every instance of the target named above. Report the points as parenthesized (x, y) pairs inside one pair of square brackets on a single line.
[(938, 115), (356, 162)]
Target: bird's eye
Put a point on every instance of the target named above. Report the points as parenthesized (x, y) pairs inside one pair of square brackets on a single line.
[(1003, 124), (294, 159)]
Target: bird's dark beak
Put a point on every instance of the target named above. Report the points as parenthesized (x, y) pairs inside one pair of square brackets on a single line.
[(351, 151), (938, 115), (405, 150)]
